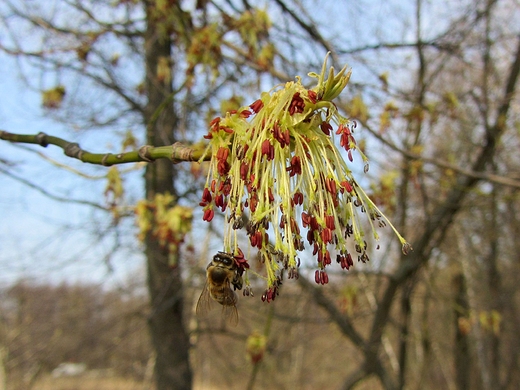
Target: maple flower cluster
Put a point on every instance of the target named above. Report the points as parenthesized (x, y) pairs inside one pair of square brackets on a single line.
[(277, 159)]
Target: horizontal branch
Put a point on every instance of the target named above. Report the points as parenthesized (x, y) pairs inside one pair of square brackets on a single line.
[(147, 153), (486, 176), (49, 195)]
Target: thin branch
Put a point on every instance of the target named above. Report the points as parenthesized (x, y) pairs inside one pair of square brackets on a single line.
[(176, 152), (310, 28), (49, 195), (343, 323), (75, 171), (502, 180)]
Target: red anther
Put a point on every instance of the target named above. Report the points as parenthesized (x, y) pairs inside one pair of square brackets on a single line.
[(296, 166), (298, 198), (214, 124), (346, 185), (208, 215), (252, 240), (278, 135), (343, 129), (317, 277), (240, 258), (245, 114), (206, 196), (223, 167), (266, 147), (226, 187), (326, 258), (350, 262), (324, 278), (282, 222), (257, 106), (306, 219), (313, 96), (326, 235), (329, 222), (270, 195), (326, 127), (287, 137), (332, 186), (219, 200), (258, 239), (222, 153), (244, 170), (253, 202), (314, 223), (228, 130), (297, 104)]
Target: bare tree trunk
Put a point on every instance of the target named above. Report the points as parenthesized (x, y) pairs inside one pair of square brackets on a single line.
[(3, 374), (406, 310), (461, 353), (169, 336), (495, 288)]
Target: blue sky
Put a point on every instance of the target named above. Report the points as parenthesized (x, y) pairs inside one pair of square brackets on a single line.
[(42, 239)]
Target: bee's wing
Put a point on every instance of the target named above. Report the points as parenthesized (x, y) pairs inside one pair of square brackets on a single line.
[(204, 302), (229, 309)]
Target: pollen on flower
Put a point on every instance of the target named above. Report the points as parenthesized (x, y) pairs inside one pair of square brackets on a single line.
[(287, 174)]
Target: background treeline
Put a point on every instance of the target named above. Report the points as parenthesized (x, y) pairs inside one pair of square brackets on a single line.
[(44, 325)]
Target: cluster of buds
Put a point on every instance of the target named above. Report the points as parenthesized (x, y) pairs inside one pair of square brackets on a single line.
[(168, 222), (277, 161)]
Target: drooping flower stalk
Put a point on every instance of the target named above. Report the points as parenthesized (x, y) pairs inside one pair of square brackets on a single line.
[(276, 160)]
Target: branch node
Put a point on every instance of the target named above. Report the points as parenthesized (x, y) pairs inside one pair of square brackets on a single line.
[(41, 138), (73, 150), (144, 153), (181, 153), (104, 160)]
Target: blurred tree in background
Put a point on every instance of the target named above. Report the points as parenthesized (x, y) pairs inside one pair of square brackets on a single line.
[(434, 93)]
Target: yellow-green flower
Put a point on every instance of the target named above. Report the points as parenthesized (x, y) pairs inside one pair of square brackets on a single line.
[(276, 160)]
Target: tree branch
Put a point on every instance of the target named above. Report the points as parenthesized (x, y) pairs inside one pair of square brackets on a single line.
[(502, 180), (49, 195), (175, 153), (444, 214), (343, 323)]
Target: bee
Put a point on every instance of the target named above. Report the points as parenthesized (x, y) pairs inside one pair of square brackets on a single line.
[(221, 274)]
